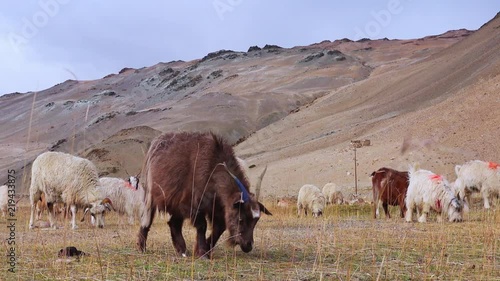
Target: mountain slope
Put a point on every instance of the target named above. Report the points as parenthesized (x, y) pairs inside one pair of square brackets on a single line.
[(306, 102), (439, 111)]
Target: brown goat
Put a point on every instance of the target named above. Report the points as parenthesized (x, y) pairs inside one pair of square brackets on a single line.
[(389, 187), (41, 206), (196, 176)]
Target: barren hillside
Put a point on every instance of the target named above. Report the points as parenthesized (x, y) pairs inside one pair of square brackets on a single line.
[(439, 111), (294, 109)]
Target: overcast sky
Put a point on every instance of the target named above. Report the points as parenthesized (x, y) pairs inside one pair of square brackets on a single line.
[(43, 41)]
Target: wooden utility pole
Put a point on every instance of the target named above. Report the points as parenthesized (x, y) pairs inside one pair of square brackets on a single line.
[(356, 144), (355, 173)]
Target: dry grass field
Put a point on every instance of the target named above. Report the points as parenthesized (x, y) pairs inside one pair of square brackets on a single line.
[(437, 96), (345, 244)]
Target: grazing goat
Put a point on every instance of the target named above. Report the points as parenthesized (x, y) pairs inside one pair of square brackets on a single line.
[(389, 188), (332, 194), (428, 191), (68, 179), (41, 206), (310, 198), (478, 176), (197, 176)]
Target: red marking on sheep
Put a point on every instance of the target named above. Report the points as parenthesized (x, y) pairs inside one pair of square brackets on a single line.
[(435, 177), (438, 205), (493, 165), (129, 185)]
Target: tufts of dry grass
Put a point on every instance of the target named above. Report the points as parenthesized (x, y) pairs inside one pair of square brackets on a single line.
[(345, 244)]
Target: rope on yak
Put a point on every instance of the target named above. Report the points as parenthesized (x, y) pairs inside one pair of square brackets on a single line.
[(245, 197)]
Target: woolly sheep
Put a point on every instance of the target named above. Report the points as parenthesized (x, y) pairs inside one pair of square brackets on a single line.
[(69, 179), (126, 195), (4, 199), (478, 176), (332, 194), (427, 191), (310, 198)]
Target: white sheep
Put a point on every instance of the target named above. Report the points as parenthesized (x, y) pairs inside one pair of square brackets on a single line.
[(310, 198), (332, 194), (427, 191), (126, 195), (478, 176), (4, 190), (69, 179)]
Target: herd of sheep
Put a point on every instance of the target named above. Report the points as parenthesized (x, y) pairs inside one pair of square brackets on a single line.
[(73, 182), (60, 178), (416, 190)]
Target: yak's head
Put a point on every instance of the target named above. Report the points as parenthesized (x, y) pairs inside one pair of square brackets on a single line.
[(97, 210), (242, 214)]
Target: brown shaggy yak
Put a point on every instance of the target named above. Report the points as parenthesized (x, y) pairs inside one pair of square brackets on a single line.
[(389, 187), (196, 176)]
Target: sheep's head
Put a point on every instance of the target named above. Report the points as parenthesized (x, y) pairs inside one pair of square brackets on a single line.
[(317, 206), (461, 193), (456, 209), (97, 211)]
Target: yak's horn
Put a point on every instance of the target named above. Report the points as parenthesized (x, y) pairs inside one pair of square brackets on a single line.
[(259, 183)]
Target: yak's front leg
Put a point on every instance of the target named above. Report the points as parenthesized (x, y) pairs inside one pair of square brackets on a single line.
[(175, 224), (201, 247), (217, 230)]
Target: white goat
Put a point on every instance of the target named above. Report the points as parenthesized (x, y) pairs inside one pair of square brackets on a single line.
[(65, 178), (310, 198), (332, 194), (4, 190), (126, 195), (427, 191), (478, 176)]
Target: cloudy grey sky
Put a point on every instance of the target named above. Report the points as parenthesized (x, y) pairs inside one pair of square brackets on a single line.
[(43, 41)]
